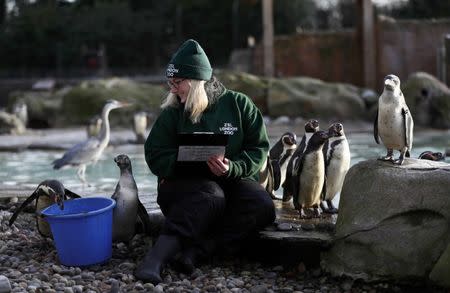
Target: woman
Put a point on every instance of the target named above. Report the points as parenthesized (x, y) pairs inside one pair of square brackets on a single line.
[(222, 207)]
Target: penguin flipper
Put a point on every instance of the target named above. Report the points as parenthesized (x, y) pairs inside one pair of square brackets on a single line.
[(276, 173), (71, 194), (324, 188), (301, 147), (32, 197), (143, 219), (324, 152), (408, 127), (375, 129), (276, 151), (296, 183)]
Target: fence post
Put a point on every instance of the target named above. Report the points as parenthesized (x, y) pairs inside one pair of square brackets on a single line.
[(267, 7), (368, 46), (447, 59)]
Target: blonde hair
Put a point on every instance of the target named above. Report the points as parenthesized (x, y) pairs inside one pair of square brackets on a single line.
[(196, 101)]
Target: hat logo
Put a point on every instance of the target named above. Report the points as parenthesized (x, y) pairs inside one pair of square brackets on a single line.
[(171, 70)]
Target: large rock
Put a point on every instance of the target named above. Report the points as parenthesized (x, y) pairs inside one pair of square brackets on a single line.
[(312, 98), (253, 86), (428, 99), (393, 223), (76, 105)]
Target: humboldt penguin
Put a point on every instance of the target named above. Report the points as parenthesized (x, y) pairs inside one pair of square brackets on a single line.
[(393, 123), (337, 162), (311, 127), (47, 193), (310, 179), (429, 155), (129, 213), (140, 124), (277, 162), (94, 126)]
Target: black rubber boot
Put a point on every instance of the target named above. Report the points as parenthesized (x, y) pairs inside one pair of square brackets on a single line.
[(149, 271), (187, 261)]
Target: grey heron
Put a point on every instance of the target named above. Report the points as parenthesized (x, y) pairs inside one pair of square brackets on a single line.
[(90, 150)]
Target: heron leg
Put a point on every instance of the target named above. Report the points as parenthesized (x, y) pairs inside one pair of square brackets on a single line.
[(81, 174), (389, 156)]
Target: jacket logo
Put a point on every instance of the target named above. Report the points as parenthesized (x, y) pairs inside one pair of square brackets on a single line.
[(171, 70), (228, 128)]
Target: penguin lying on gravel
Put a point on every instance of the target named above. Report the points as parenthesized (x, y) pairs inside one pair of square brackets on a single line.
[(311, 127), (274, 172), (129, 215), (337, 163), (393, 123), (47, 193), (310, 179)]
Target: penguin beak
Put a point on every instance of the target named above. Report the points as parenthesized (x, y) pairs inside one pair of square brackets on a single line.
[(58, 199), (389, 84), (289, 140)]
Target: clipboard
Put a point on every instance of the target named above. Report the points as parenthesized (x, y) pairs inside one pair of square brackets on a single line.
[(199, 146)]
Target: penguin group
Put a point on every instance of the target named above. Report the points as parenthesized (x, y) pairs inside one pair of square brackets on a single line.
[(311, 173), (129, 215)]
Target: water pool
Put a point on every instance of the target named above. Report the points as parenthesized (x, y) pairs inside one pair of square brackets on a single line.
[(29, 168)]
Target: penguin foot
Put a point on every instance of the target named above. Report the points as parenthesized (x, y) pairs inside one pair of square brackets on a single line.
[(386, 158), (331, 211), (274, 197), (317, 212), (323, 207), (398, 161), (303, 215), (287, 197), (331, 208)]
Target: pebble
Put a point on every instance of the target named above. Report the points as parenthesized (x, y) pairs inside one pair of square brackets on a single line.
[(31, 264), (5, 285)]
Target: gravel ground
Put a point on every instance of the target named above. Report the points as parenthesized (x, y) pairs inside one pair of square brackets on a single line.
[(30, 264)]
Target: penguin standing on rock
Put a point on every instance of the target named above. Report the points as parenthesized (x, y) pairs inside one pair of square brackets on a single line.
[(311, 127), (337, 163), (129, 211), (47, 193), (277, 161), (310, 177), (393, 123)]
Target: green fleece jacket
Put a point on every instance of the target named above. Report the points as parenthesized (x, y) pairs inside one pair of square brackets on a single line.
[(233, 114)]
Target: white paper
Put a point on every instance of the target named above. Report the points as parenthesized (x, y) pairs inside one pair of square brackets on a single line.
[(196, 153)]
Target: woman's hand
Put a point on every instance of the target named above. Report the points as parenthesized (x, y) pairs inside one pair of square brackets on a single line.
[(218, 166)]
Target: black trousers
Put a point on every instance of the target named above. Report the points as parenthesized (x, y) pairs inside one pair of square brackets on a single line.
[(200, 210)]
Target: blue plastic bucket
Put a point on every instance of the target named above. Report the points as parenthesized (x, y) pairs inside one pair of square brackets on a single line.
[(82, 231)]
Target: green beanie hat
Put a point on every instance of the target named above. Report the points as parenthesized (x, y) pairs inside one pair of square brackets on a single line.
[(190, 61)]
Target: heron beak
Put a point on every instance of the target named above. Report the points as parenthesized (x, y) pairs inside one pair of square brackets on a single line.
[(125, 104)]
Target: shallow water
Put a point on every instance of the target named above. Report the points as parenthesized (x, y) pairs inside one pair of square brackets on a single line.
[(30, 167)]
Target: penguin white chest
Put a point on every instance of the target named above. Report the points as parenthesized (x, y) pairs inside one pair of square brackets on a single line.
[(339, 163), (311, 179), (391, 125)]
